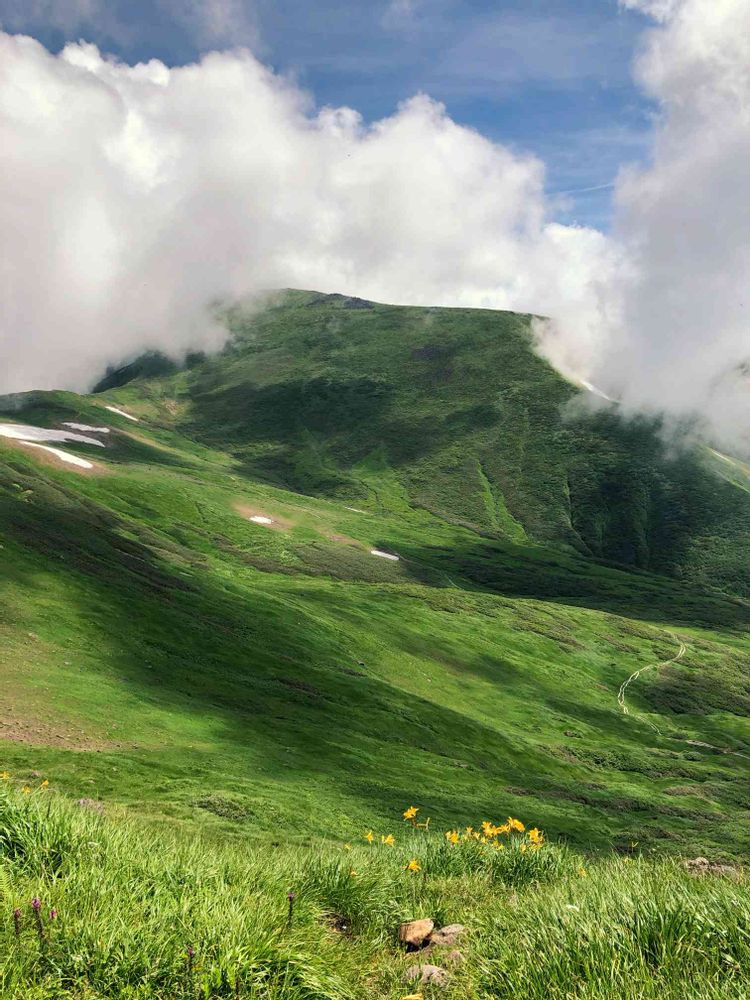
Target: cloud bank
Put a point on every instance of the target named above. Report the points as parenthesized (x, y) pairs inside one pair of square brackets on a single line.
[(673, 326), (134, 196)]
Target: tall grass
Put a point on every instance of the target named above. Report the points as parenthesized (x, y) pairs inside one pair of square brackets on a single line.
[(140, 913)]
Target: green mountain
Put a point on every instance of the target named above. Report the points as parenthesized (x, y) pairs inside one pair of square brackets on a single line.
[(272, 678)]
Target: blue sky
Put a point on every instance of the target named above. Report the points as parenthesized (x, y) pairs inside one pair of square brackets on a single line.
[(550, 76)]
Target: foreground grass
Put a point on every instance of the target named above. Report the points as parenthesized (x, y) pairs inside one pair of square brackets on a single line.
[(140, 914)]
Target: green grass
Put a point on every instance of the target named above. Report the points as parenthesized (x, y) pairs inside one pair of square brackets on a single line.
[(162, 652), (245, 700), (546, 924)]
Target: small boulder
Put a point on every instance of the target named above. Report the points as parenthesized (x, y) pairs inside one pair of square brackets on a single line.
[(702, 866), (431, 975), (454, 957), (93, 804), (447, 935), (415, 932)]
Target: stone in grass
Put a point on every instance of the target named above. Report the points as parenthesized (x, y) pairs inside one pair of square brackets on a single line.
[(415, 933), (702, 866), (93, 804), (428, 975), (447, 935)]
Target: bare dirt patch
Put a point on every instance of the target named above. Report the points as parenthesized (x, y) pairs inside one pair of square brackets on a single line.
[(344, 540), (263, 518), (35, 732), (48, 458)]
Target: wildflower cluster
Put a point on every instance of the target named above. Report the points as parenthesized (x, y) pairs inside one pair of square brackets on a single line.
[(27, 789), (489, 833)]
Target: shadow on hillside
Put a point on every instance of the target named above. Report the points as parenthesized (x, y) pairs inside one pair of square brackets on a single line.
[(274, 669), (562, 578)]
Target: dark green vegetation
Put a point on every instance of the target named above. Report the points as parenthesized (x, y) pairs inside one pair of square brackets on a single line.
[(162, 652), (127, 913)]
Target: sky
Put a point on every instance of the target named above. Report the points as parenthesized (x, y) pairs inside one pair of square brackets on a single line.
[(549, 76), (584, 162)]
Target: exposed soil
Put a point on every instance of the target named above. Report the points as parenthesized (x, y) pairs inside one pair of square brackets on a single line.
[(47, 458), (277, 523)]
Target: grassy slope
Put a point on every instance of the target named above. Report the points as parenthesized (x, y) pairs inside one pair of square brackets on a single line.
[(161, 651), (544, 924)]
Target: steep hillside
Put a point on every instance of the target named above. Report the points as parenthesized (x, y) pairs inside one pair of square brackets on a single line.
[(196, 624), (338, 397)]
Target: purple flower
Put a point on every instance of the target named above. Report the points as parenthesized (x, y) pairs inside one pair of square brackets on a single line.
[(53, 914), (191, 952), (17, 922), (36, 904)]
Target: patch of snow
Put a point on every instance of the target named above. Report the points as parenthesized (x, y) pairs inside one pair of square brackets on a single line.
[(64, 456), (355, 510), (724, 458), (121, 413), (384, 555), (260, 519), (596, 392), (25, 432), (85, 427)]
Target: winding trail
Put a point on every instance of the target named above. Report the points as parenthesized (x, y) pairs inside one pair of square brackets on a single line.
[(652, 666), (675, 739)]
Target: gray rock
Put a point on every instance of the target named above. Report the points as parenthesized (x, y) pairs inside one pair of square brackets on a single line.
[(93, 804), (431, 975), (447, 935)]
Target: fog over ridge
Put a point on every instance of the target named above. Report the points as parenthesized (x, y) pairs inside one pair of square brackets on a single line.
[(135, 196)]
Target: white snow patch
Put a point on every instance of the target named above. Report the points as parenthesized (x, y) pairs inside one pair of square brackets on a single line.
[(384, 555), (85, 427), (121, 413), (65, 456), (25, 432), (260, 519), (596, 392)]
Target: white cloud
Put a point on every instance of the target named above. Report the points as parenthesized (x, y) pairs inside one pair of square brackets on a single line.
[(133, 196), (675, 333)]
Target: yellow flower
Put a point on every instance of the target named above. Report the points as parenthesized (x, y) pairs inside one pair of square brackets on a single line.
[(26, 790), (582, 872), (5, 776), (412, 996), (536, 837), (505, 828), (390, 840), (469, 832), (516, 824), (44, 784), (347, 847), (369, 836), (411, 812), (353, 873), (452, 836), (414, 865), (523, 848)]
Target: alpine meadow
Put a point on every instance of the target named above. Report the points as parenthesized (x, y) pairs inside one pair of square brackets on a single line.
[(370, 618)]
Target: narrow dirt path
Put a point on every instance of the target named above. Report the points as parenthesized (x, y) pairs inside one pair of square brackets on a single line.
[(652, 666), (675, 739)]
